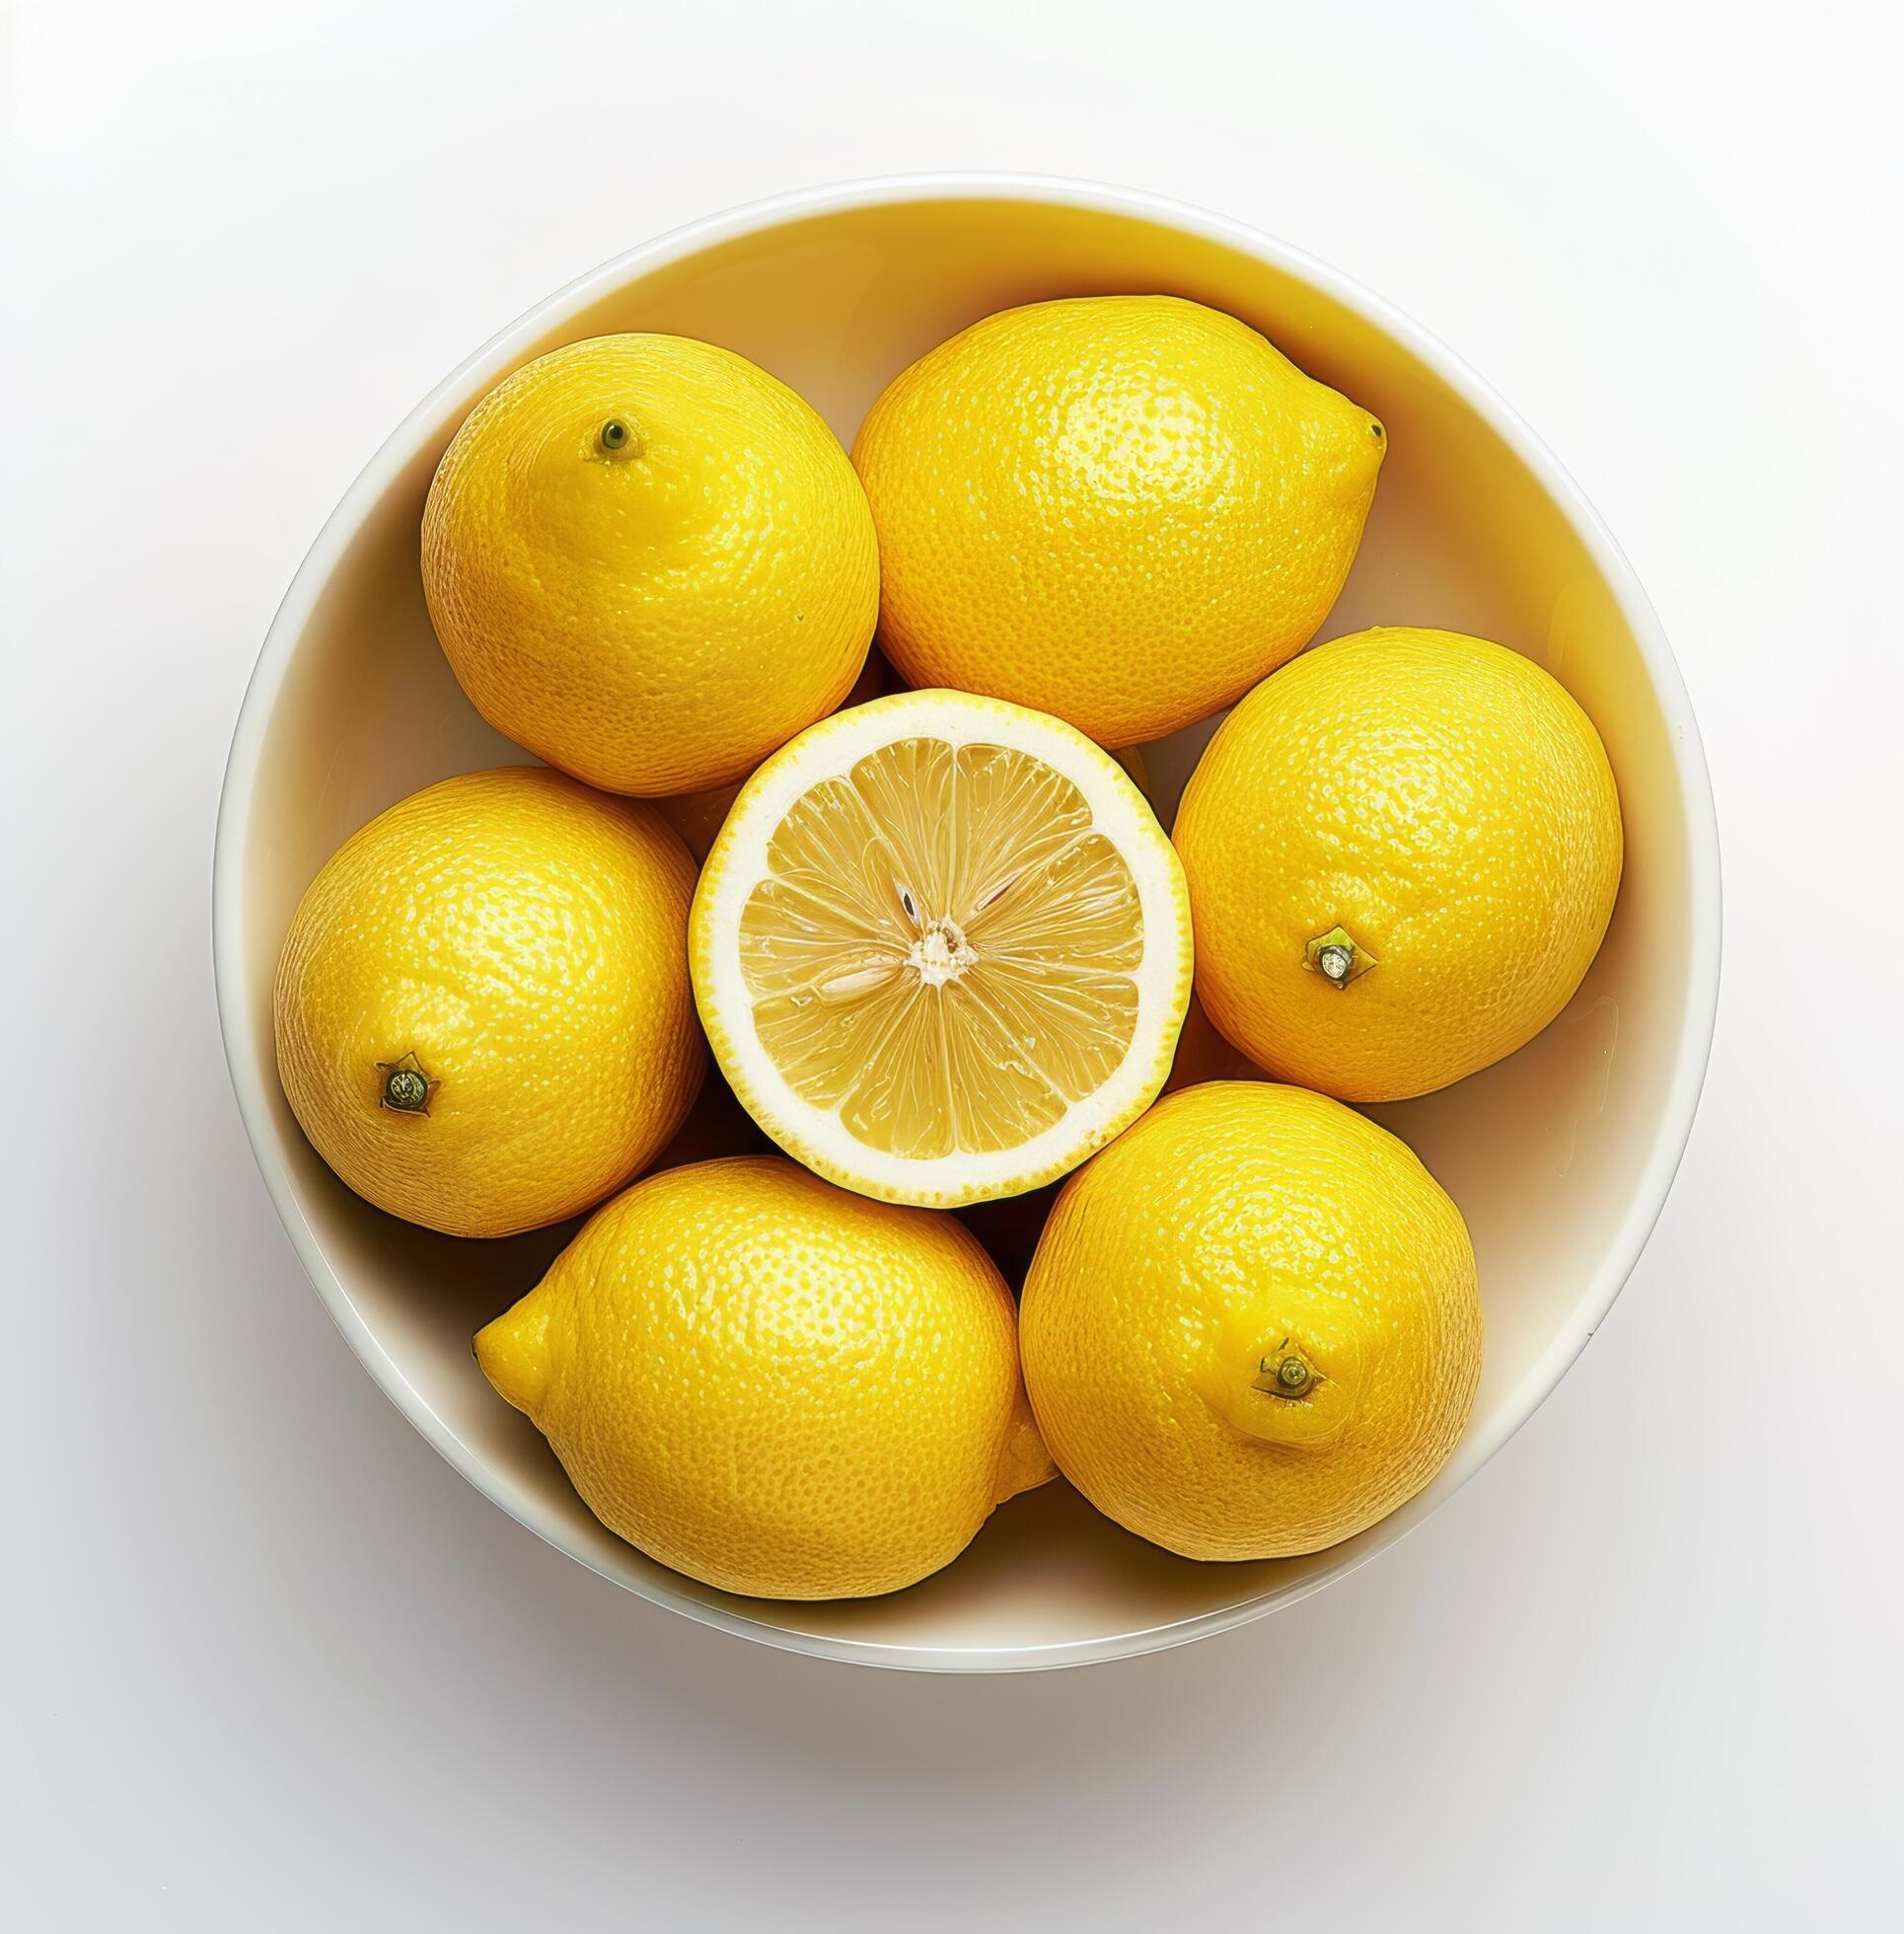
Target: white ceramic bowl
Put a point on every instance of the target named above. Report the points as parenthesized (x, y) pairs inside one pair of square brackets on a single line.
[(1560, 1157)]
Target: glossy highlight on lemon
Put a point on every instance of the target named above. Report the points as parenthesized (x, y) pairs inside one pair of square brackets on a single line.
[(650, 562), (483, 1012), (1122, 510), (942, 948), (1251, 1326), (773, 1386), (1403, 852)]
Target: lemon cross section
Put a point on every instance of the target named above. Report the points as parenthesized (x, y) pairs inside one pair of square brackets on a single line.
[(942, 948)]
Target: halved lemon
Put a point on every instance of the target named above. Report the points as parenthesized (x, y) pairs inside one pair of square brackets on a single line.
[(942, 948)]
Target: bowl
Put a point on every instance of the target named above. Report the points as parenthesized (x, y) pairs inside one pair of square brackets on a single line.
[(1560, 1157)]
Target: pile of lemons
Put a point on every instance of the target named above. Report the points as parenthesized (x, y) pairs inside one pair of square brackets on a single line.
[(918, 903)]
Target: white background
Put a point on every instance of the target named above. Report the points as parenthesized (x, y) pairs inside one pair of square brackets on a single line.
[(273, 1666)]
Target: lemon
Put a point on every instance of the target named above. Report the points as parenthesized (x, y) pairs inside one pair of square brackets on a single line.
[(649, 563), (1123, 509), (482, 1010), (1403, 850), (773, 1386), (942, 948), (1251, 1326)]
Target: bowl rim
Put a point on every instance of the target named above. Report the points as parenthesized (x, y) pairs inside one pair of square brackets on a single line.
[(489, 361)]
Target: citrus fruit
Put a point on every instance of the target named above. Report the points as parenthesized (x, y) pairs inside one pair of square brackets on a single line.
[(1251, 1326), (1403, 852), (942, 948), (1119, 509), (775, 1385), (482, 1010), (649, 562)]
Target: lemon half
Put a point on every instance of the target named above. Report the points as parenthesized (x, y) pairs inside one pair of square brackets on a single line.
[(942, 948)]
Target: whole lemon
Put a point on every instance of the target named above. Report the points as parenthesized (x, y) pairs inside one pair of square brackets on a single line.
[(1403, 852), (484, 1017), (1251, 1326), (775, 1385), (1119, 509), (650, 562)]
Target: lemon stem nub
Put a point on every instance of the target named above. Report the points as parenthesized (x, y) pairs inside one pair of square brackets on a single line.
[(407, 1088), (1338, 957), (618, 439), (1290, 1376)]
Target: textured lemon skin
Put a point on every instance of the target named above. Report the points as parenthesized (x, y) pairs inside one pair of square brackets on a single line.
[(1231, 1215), (773, 1386), (1122, 510), (1444, 801), (657, 618), (525, 940)]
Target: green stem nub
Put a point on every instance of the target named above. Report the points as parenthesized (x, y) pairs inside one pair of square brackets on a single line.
[(618, 437), (406, 1087), (1283, 1376)]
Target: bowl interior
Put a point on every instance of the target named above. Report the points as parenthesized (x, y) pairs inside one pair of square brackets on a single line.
[(1546, 1153)]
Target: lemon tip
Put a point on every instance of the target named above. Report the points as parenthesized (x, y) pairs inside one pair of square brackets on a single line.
[(512, 1352)]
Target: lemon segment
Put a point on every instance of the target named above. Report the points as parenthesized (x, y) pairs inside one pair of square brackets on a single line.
[(942, 948)]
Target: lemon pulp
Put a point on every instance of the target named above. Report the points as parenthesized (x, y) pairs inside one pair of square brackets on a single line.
[(943, 948)]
